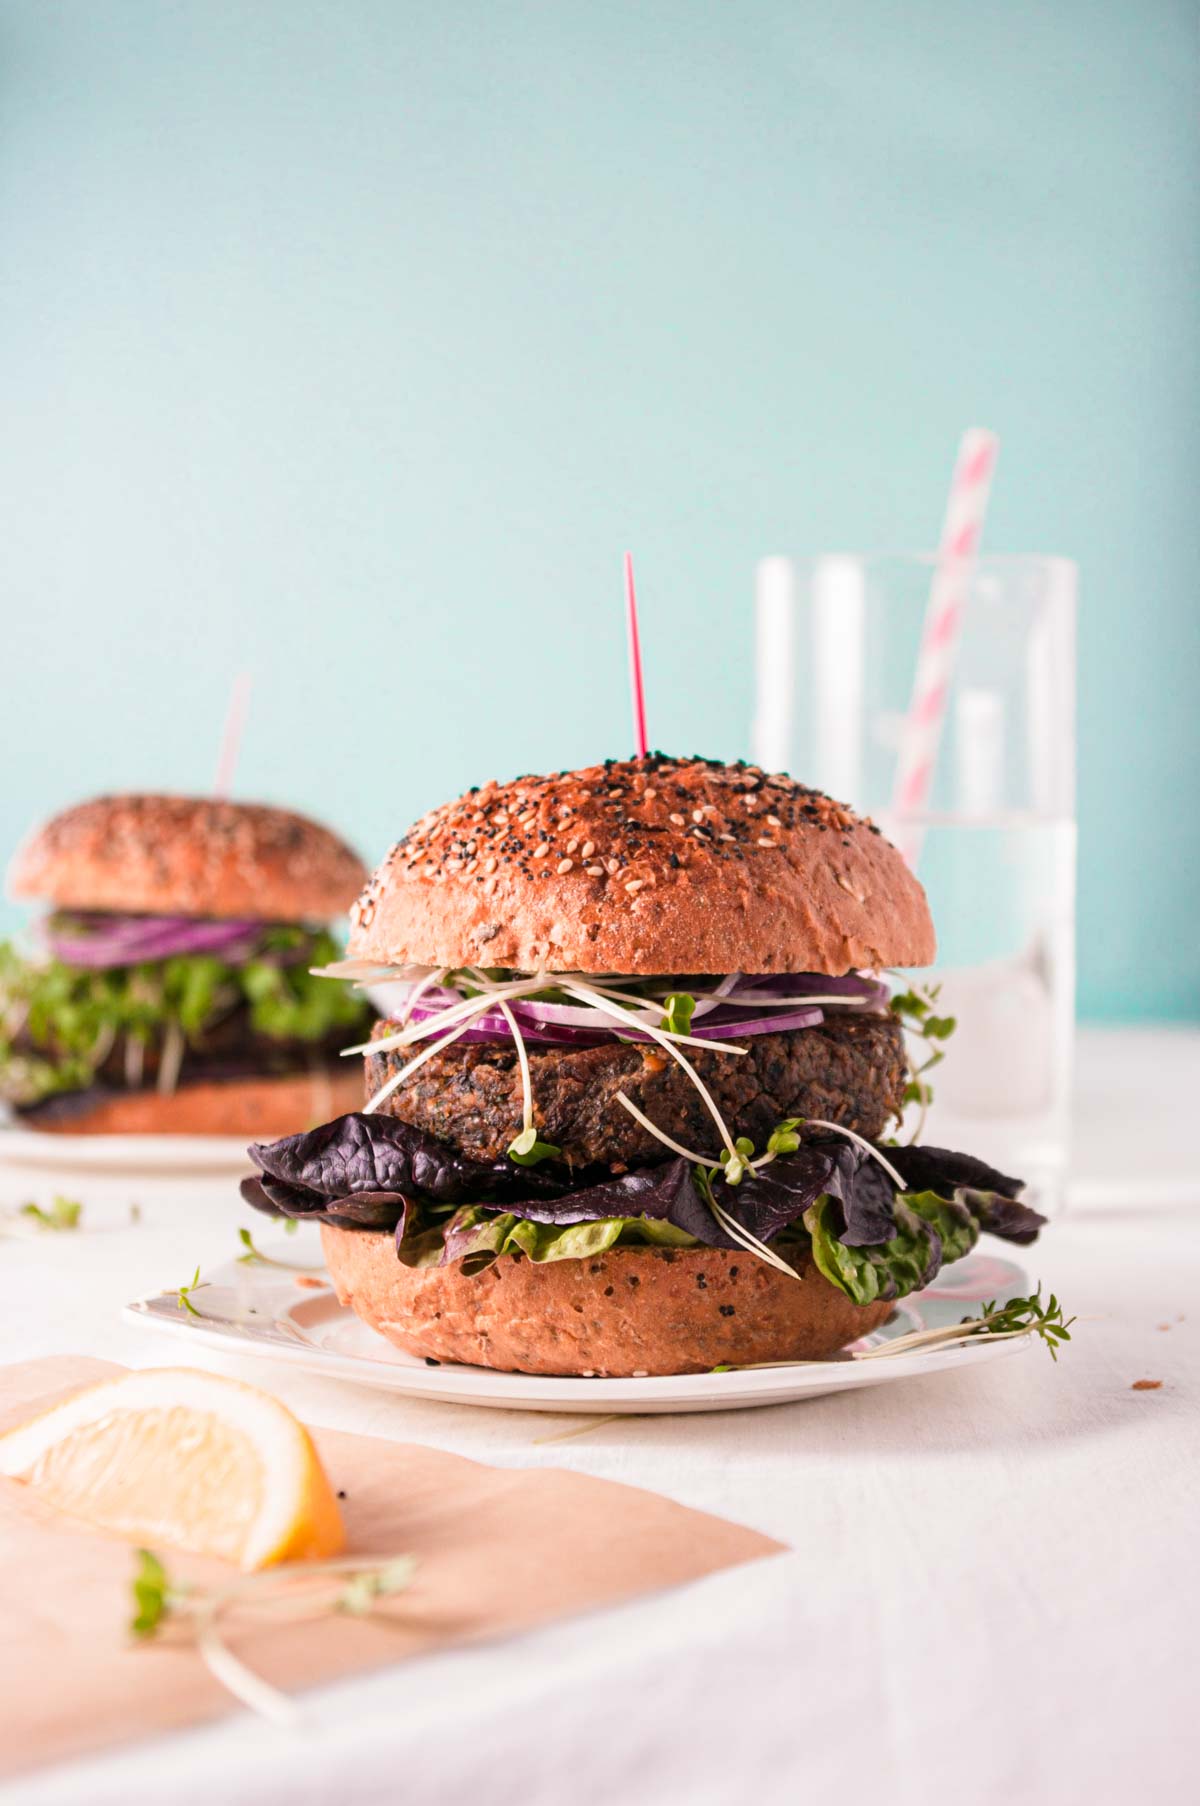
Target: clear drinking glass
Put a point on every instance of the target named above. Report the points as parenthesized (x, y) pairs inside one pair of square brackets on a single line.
[(993, 840)]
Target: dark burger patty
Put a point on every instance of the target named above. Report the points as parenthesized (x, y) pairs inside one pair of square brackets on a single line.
[(228, 1049), (850, 1071)]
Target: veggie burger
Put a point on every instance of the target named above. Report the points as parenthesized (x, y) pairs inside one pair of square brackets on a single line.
[(634, 1112), (169, 991)]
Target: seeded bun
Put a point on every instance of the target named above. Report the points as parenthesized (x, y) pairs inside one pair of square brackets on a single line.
[(650, 866), (627, 1312), (259, 1109), (188, 855)]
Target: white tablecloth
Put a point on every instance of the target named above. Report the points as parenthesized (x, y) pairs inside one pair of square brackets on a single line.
[(992, 1583)]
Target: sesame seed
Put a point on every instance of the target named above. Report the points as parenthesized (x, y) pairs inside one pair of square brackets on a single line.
[(572, 844), (635, 884), (614, 865), (728, 837), (765, 841), (774, 821), (540, 852), (565, 865), (697, 815), (594, 871), (677, 819), (471, 864), (649, 795), (589, 847), (489, 865)]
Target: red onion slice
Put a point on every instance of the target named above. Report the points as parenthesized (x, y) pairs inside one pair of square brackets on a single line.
[(779, 1024), (541, 1027), (100, 941)]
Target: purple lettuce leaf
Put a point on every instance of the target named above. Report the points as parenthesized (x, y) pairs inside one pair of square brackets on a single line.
[(1002, 1216), (358, 1210), (360, 1153), (376, 1172), (941, 1171)]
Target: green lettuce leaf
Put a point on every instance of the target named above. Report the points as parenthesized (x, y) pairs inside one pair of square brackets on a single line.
[(929, 1232), (889, 1269), (478, 1237), (956, 1225)]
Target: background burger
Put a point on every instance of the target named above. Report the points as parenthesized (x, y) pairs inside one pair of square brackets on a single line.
[(630, 1116), (168, 990)]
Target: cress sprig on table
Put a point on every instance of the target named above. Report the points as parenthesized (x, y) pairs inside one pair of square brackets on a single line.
[(352, 1586), (60, 1215), (157, 1598), (253, 1256)]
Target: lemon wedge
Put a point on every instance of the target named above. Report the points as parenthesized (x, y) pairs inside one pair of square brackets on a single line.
[(177, 1456)]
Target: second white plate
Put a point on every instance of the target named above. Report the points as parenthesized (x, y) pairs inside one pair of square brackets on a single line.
[(179, 1154)]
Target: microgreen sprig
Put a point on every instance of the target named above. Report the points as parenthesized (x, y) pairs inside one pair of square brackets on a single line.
[(680, 1008), (995, 1322), (1027, 1315), (154, 1597), (363, 1588), (527, 1150), (737, 1162), (915, 1009), (62, 1214), (184, 1294), (355, 1585), (254, 1256), (783, 1138)]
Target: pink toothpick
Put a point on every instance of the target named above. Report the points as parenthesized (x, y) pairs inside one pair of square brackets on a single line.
[(635, 663), (231, 733)]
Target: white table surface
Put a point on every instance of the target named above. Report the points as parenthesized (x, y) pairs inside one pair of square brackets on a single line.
[(992, 1584)]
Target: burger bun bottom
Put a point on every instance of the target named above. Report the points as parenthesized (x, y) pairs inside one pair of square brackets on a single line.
[(629, 1312), (256, 1109)]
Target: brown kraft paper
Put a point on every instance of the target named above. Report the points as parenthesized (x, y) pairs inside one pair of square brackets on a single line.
[(492, 1559)]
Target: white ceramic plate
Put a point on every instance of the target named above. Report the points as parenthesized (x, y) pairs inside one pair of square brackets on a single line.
[(293, 1315), (124, 1153)]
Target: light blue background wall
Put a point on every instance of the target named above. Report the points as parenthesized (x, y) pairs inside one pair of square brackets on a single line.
[(352, 343)]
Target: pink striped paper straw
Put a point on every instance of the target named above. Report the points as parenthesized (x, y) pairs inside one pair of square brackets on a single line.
[(231, 733), (635, 662), (957, 550)]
